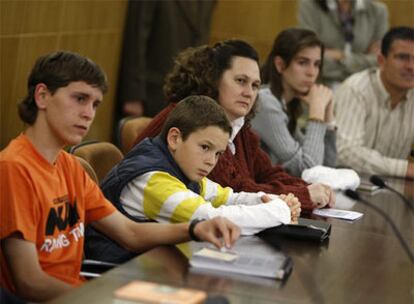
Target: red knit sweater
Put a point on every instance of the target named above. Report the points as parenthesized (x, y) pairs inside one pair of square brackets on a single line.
[(155, 126), (250, 169)]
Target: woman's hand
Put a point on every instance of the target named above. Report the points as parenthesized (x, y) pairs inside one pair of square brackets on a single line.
[(321, 195), (318, 100)]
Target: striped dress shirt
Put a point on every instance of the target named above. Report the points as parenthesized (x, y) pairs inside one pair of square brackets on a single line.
[(372, 137)]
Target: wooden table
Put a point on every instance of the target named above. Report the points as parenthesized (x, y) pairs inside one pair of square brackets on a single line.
[(362, 262)]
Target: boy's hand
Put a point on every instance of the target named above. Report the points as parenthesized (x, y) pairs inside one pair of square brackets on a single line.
[(266, 198), (217, 230), (294, 205)]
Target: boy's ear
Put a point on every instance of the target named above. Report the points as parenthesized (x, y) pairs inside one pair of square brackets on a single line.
[(173, 138), (40, 95), (279, 64)]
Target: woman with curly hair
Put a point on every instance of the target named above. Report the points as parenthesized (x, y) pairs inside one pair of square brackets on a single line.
[(229, 73)]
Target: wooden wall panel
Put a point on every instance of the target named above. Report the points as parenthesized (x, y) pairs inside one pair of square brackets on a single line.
[(257, 22), (8, 64), (401, 12), (30, 28), (9, 10), (93, 15), (18, 61), (40, 16)]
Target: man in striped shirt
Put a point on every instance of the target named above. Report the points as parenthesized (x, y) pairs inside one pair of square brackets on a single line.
[(375, 111)]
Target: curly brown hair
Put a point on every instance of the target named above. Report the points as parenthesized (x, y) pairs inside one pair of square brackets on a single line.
[(193, 73), (198, 71)]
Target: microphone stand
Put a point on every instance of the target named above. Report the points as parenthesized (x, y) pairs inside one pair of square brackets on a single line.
[(355, 196), (378, 181)]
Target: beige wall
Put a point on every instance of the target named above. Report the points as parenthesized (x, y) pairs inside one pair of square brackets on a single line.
[(259, 21), (31, 28)]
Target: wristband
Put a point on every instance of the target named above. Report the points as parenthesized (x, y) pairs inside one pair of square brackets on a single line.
[(192, 227)]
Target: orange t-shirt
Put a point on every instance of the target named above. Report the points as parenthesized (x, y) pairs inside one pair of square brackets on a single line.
[(49, 205)]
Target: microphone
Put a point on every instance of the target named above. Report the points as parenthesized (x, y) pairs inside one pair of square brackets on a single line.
[(378, 181), (355, 196)]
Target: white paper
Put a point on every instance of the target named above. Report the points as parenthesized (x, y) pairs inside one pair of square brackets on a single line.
[(338, 213)]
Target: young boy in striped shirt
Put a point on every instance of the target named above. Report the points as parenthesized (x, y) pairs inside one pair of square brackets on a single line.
[(165, 178)]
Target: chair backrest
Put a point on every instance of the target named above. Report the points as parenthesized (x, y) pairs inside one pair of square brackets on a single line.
[(102, 156), (88, 168), (128, 130)]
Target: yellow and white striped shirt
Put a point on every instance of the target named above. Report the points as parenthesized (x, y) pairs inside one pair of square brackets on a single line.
[(162, 197), (372, 137)]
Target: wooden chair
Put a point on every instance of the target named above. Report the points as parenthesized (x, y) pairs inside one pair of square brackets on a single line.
[(88, 168), (128, 130), (92, 268), (100, 155)]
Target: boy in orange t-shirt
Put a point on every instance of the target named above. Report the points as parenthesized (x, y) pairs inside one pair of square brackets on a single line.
[(47, 198)]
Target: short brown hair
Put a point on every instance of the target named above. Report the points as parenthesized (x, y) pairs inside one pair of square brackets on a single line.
[(194, 113), (396, 33), (57, 70)]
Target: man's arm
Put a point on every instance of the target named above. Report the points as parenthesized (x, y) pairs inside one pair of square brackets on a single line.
[(139, 237), (31, 282)]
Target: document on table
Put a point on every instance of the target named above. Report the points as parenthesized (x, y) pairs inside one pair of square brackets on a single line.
[(338, 213), (263, 261), (148, 292)]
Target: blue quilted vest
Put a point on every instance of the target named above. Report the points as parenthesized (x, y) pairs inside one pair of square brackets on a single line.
[(149, 155)]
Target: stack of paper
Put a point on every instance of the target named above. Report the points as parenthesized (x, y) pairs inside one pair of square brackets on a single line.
[(338, 213), (263, 261)]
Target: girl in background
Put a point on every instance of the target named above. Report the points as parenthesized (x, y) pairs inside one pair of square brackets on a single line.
[(290, 72)]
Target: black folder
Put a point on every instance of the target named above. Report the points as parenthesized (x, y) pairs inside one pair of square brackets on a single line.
[(306, 229)]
